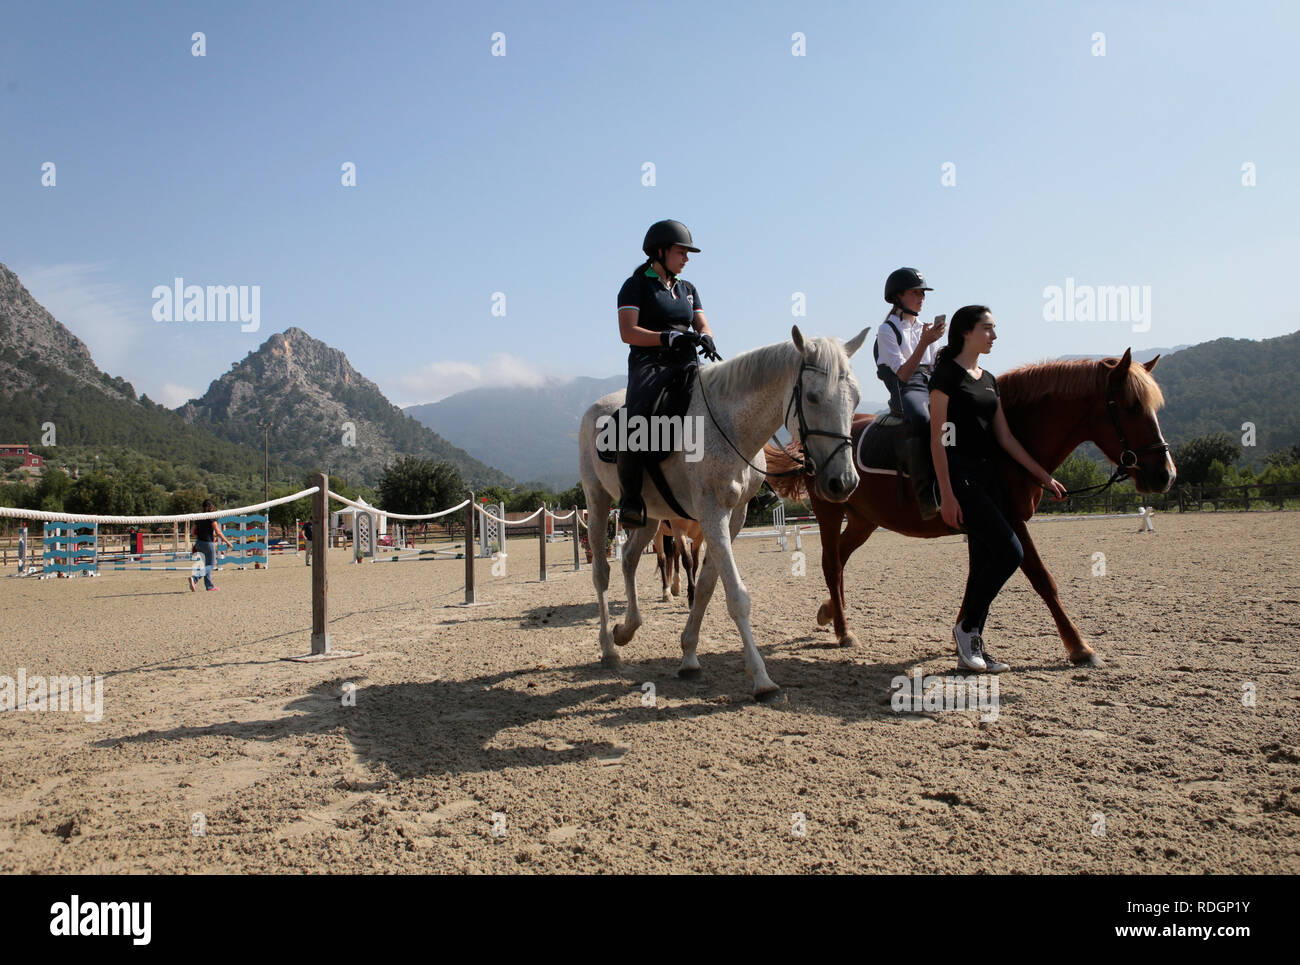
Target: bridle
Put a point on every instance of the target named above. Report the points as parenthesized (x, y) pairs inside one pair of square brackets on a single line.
[(1128, 457), (807, 466)]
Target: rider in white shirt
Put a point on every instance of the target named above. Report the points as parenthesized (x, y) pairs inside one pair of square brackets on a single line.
[(905, 354)]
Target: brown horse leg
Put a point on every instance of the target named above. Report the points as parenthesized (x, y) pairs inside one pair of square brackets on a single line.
[(691, 563), (661, 562), (1077, 650), (854, 535), (829, 517)]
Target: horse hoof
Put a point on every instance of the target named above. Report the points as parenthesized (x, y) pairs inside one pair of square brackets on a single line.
[(621, 636), (689, 673), (824, 614), (771, 697), (849, 640), (611, 661), (1089, 660)]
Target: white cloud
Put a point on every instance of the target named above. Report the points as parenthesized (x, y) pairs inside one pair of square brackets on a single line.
[(437, 380), (103, 314), (173, 395)]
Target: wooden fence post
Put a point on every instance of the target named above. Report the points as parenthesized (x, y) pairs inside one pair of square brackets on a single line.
[(577, 538), (320, 637), (541, 541)]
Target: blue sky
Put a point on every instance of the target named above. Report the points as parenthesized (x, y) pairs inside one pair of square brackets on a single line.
[(522, 173)]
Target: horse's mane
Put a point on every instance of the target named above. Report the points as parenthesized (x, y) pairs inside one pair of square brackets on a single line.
[(727, 378), (1075, 379)]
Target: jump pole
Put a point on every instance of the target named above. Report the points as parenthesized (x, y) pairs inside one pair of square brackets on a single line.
[(320, 637)]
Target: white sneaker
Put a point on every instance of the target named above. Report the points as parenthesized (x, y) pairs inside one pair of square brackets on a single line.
[(969, 649), (991, 664)]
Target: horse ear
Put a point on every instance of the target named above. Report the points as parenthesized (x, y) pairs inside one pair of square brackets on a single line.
[(855, 343), (1120, 371), (1152, 364), (798, 339)]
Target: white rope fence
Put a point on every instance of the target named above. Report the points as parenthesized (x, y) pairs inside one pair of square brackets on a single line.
[(516, 522), (383, 512), (46, 517)]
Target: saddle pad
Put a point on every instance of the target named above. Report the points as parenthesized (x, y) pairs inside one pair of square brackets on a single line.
[(877, 448)]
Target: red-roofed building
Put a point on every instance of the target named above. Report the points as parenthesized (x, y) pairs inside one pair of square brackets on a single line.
[(30, 459)]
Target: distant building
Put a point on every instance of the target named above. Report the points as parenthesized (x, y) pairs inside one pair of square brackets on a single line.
[(18, 451)]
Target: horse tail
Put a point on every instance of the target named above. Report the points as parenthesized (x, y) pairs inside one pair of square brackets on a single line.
[(780, 461)]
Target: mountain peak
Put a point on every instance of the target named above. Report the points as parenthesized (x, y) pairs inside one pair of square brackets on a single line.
[(323, 412)]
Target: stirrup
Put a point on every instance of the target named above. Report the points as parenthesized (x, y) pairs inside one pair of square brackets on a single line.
[(631, 513)]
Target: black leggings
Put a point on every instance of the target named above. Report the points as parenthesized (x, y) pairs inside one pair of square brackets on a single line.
[(995, 550), (646, 380)]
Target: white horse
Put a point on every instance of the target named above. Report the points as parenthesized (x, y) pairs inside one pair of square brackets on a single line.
[(806, 385)]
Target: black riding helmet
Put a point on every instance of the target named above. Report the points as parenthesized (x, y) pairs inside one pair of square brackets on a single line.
[(663, 235), (903, 280)]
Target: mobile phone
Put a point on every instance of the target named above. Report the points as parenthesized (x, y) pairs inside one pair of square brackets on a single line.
[(939, 320)]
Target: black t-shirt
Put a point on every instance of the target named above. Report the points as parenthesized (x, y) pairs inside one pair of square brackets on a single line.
[(972, 405), (660, 310), (203, 531)]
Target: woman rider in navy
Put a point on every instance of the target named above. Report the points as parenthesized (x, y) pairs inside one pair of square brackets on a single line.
[(661, 318)]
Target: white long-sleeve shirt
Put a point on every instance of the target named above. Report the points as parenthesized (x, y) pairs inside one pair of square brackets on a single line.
[(893, 353)]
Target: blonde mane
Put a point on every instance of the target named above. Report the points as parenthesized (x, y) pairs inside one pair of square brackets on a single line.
[(760, 364)]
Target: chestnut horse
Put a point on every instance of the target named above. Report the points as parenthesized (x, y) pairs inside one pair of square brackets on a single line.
[(678, 545), (1051, 407)]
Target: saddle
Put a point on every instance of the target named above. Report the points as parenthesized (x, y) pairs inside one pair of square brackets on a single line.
[(673, 401), (878, 445)]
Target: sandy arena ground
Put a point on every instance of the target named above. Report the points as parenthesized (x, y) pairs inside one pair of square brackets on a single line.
[(489, 739)]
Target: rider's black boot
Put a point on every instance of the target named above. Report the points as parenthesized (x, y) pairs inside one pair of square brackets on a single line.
[(631, 508), (921, 469)]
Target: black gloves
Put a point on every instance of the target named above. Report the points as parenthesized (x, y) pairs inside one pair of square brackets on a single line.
[(672, 339), (675, 339)]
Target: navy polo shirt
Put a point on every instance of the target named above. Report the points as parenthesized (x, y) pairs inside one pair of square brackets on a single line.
[(660, 309)]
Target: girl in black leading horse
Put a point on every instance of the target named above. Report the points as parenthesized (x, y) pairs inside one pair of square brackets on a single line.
[(967, 427)]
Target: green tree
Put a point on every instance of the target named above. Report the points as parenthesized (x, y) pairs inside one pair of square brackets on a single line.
[(18, 495), (52, 490), (493, 494), (93, 495), (1283, 457), (528, 500), (1215, 473), (1079, 472), (415, 486), (1195, 457), (185, 501), (574, 496)]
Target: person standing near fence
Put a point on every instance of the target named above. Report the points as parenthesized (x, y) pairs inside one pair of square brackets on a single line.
[(206, 534), (306, 534)]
